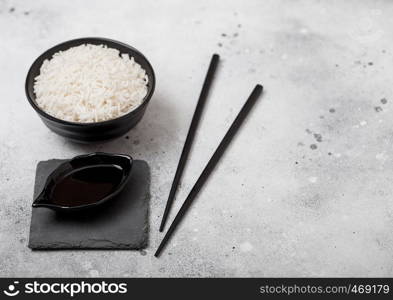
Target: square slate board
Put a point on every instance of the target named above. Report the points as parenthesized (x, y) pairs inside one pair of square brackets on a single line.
[(122, 223)]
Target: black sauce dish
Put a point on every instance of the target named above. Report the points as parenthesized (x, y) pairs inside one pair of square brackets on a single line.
[(98, 131), (88, 172)]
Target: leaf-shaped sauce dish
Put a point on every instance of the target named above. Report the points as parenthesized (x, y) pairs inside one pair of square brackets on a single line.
[(86, 181)]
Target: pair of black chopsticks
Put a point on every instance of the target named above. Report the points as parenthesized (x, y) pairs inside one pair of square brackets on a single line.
[(213, 160)]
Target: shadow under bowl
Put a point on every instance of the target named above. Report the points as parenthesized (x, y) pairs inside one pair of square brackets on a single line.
[(98, 131)]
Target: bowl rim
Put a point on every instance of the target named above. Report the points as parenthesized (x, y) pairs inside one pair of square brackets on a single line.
[(82, 41)]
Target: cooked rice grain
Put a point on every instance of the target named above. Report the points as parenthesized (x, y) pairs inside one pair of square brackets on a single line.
[(90, 83)]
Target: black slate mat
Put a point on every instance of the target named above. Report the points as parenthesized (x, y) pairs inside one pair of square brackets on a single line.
[(122, 223)]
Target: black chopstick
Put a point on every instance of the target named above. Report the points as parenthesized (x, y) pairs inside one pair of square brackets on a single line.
[(211, 164), (190, 136)]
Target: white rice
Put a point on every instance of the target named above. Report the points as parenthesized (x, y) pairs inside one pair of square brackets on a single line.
[(90, 83)]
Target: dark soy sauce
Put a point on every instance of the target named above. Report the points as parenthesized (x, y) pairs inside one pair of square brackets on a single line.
[(86, 185)]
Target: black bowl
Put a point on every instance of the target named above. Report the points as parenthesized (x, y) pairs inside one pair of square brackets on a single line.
[(98, 131), (82, 163)]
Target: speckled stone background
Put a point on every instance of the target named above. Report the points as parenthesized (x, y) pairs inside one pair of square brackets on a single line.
[(306, 188)]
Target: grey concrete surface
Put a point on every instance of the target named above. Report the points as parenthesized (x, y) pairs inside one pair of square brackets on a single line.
[(306, 187)]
